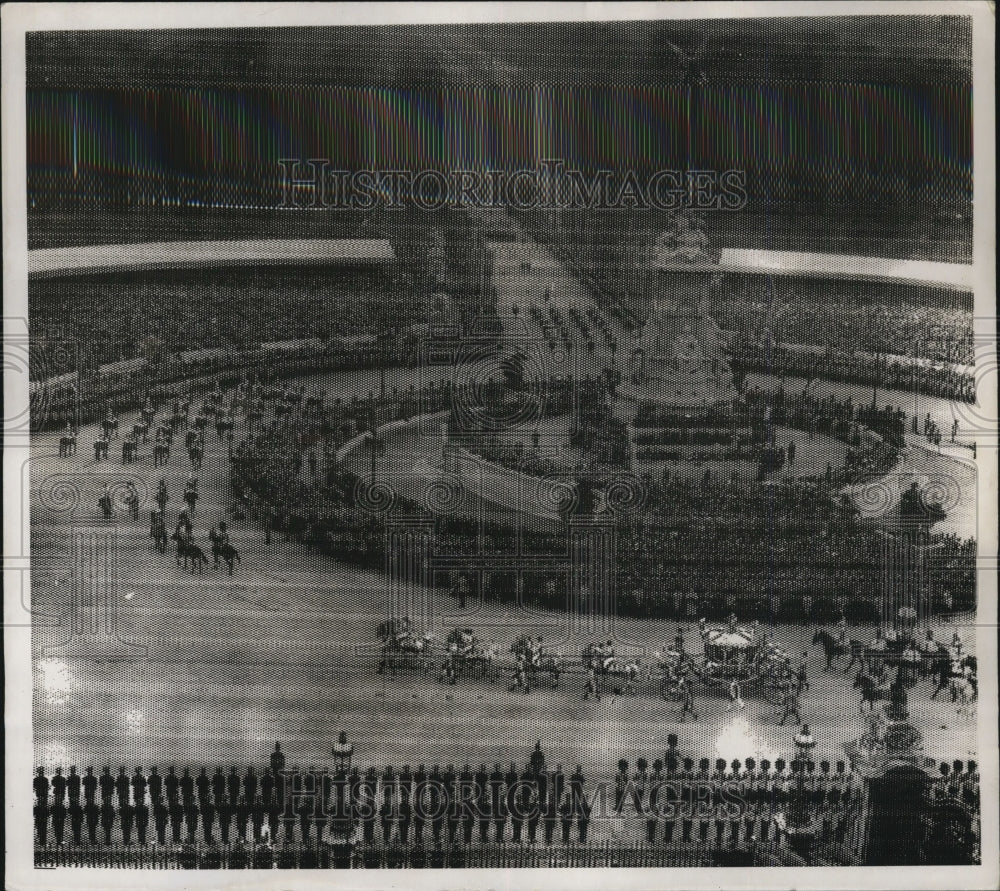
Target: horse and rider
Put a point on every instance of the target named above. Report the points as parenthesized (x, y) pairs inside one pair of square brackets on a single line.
[(400, 639), (187, 550), (191, 492), (673, 665), (158, 530), (873, 684), (222, 548), (839, 645), (218, 535), (959, 678), (466, 650), (521, 677)]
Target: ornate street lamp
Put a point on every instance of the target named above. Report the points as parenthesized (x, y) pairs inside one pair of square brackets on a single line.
[(800, 831), (342, 753)]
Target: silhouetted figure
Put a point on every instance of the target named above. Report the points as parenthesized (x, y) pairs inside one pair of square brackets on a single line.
[(141, 821), (89, 784), (58, 786), (76, 820)]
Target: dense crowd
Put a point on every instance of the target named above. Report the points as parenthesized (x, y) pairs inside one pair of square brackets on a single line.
[(129, 318), (796, 551), (868, 456), (596, 431), (124, 389), (850, 318), (790, 554), (878, 372)]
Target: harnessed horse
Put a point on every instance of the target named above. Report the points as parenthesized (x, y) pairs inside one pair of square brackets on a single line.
[(466, 651), (536, 661), (871, 690), (405, 644), (609, 665), (833, 649)]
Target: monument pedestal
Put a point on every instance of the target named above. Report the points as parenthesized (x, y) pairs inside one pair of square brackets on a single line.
[(895, 771)]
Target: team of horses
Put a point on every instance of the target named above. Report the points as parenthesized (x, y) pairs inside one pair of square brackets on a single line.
[(931, 659), (463, 653)]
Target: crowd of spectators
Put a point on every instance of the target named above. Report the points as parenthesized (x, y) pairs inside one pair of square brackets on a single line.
[(127, 388), (793, 552), (120, 318), (597, 432), (877, 372), (873, 436), (849, 317)]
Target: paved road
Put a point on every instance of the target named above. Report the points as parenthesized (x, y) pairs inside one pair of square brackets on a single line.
[(218, 668), (224, 666)]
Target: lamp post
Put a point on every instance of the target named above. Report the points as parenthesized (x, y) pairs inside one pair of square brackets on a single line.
[(800, 832), (342, 753), (372, 436)]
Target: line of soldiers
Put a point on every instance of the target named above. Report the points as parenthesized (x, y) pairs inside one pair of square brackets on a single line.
[(683, 804), (296, 805), (679, 801)]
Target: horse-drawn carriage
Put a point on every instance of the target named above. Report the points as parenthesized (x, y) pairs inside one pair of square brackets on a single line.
[(738, 660), (610, 665), (466, 652), (402, 646), (899, 647), (668, 667), (537, 659)]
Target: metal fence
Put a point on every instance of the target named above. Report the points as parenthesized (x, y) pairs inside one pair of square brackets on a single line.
[(333, 856)]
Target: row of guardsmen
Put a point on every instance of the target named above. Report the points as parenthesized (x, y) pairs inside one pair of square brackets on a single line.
[(743, 777), (311, 802), (674, 797)]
